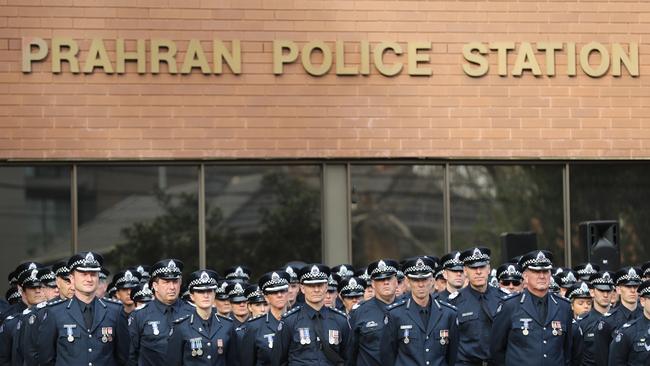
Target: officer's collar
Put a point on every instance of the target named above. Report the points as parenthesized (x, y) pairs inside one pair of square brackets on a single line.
[(311, 312), (162, 307)]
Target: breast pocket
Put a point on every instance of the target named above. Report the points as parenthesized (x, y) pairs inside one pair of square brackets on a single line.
[(520, 335), (70, 336), (370, 334), (468, 325)]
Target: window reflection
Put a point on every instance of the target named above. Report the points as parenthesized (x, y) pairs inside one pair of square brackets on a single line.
[(397, 211), (487, 200), (262, 216), (139, 214), (618, 192), (35, 215)]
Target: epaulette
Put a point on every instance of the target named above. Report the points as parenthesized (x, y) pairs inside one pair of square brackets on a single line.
[(503, 292), (510, 296), (256, 317), (339, 312), (292, 311), (446, 304), (560, 298), (396, 304), (9, 317), (181, 319), (224, 317), (113, 301), (453, 295), (27, 311), (630, 323), (41, 305), (56, 302)]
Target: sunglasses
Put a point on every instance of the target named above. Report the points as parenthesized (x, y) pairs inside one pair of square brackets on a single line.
[(510, 283)]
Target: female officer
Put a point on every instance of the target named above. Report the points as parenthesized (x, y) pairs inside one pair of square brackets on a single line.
[(203, 337)]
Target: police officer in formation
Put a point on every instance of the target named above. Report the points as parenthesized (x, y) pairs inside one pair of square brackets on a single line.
[(420, 330), (533, 327), (202, 337), (311, 333), (477, 317), (367, 320), (84, 330), (476, 306)]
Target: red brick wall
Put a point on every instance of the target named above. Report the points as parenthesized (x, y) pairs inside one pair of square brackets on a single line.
[(260, 115)]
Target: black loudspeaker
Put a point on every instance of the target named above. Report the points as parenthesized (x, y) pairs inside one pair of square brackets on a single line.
[(515, 244), (601, 238)]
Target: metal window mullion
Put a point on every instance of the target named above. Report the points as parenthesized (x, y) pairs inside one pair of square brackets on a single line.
[(566, 194), (202, 227), (74, 208), (446, 206)]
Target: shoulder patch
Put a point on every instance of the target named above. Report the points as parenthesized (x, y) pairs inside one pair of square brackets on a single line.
[(56, 302), (447, 305), (181, 319), (337, 311), (396, 304), (292, 311)]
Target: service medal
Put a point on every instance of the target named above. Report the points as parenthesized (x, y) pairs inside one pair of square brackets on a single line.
[(193, 353), (554, 332), (70, 338), (525, 331), (220, 346), (443, 341), (406, 340), (199, 352)]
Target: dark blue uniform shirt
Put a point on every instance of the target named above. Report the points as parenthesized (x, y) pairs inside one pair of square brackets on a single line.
[(521, 337), (475, 322), (296, 342), (408, 342), (64, 339), (367, 325), (194, 341), (631, 345), (607, 329), (258, 340)]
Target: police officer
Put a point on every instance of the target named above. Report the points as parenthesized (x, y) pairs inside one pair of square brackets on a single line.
[(363, 274), (627, 281), (257, 304), (311, 334), (258, 340), (565, 278), (331, 296), (631, 346), (602, 286), (452, 270), (20, 306), (239, 304), (202, 337), (83, 330), (222, 300), (580, 297), (367, 320), (420, 330), (351, 292), (533, 327), (344, 271), (10, 331), (149, 326), (586, 270), (476, 306), (238, 274), (141, 295), (510, 278), (62, 273), (124, 282), (293, 294)]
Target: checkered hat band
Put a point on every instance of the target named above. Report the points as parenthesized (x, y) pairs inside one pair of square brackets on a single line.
[(627, 277), (257, 293), (420, 268), (307, 277), (536, 263), (645, 291), (602, 281), (143, 293), (646, 272), (166, 270), (234, 275), (274, 283), (578, 292), (352, 288), (84, 264), (387, 269), (15, 295), (62, 270), (511, 273), (124, 280), (199, 282), (476, 258), (48, 277), (584, 271), (452, 263)]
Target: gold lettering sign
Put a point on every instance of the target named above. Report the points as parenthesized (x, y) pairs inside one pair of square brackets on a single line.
[(319, 58)]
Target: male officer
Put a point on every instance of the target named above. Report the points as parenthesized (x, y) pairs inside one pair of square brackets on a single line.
[(533, 327), (631, 346), (586, 270), (83, 330), (259, 335), (62, 273), (510, 278), (202, 337), (141, 295), (10, 331), (476, 306), (627, 281), (420, 330), (311, 334), (367, 320), (238, 274), (565, 278), (149, 326), (124, 282), (452, 271), (603, 285), (344, 271), (19, 306), (294, 296)]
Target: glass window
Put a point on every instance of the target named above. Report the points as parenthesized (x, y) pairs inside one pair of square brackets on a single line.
[(487, 200), (619, 192), (34, 216), (139, 214), (262, 216), (397, 211)]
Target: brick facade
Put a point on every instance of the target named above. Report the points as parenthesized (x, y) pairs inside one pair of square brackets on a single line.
[(46, 116)]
